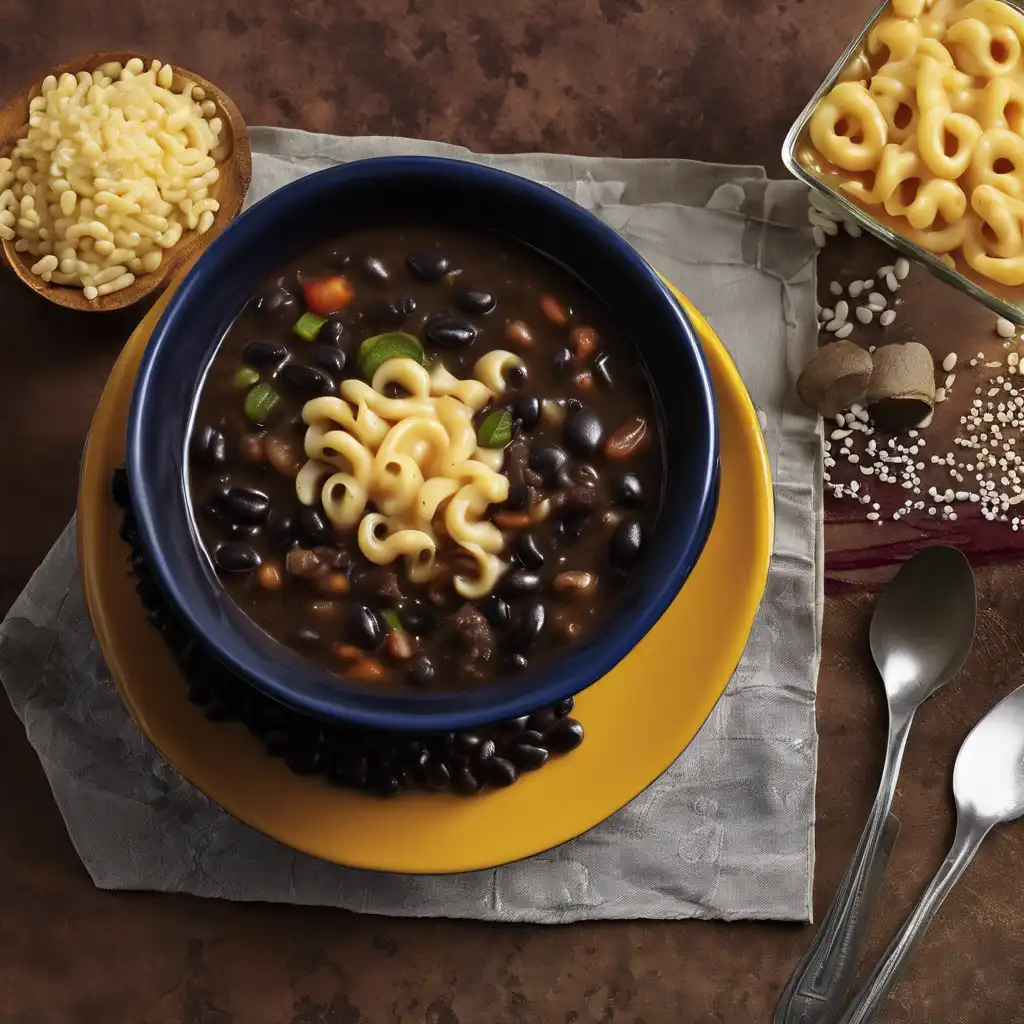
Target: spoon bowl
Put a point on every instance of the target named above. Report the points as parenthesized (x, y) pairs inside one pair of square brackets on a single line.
[(229, 190), (923, 625), (988, 778)]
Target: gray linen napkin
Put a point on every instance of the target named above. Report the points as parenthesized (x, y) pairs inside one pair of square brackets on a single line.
[(727, 832)]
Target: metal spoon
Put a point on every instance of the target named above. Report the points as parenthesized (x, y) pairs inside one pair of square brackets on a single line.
[(921, 631), (988, 785)]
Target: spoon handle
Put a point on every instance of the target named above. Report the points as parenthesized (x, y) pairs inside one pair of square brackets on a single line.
[(869, 1000), (815, 992)]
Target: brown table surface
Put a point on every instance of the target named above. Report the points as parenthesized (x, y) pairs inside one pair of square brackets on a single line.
[(713, 81)]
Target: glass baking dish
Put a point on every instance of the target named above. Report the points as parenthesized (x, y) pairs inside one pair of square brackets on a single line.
[(797, 153)]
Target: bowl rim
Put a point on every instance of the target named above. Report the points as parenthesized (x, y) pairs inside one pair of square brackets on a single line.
[(402, 711)]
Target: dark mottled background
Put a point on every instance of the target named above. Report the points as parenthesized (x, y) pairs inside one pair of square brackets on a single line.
[(692, 78)]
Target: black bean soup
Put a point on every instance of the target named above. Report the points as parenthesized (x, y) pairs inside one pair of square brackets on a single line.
[(577, 422)]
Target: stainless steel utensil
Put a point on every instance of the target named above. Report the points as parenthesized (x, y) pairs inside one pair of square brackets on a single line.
[(921, 631), (988, 786)]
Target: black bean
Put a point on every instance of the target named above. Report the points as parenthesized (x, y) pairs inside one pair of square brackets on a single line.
[(626, 541), (498, 771), (628, 491), (149, 593), (314, 525), (541, 720), (276, 742), (532, 737), (376, 581), (128, 529), (475, 300), (562, 358), (384, 782), (280, 528), (547, 460), (516, 724), (119, 487), (436, 777), (529, 627), (586, 474), (279, 303), (383, 314), (527, 758), (497, 611), (516, 662), (304, 380), (583, 431), (199, 691), (430, 265), (373, 269), (467, 742), (601, 369), (305, 760), (332, 333), (421, 672), (246, 504), (484, 752), (565, 736), (209, 445), (563, 479), (519, 582), (365, 628), (528, 552), (419, 617), (329, 358), (563, 707), (464, 781), (234, 556), (515, 377), (526, 409), (243, 531), (264, 353), (407, 305), (447, 331), (518, 497)]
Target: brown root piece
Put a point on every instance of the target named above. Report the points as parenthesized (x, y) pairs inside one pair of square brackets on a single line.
[(835, 378), (901, 391)]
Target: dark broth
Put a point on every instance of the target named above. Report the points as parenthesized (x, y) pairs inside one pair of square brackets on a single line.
[(371, 623)]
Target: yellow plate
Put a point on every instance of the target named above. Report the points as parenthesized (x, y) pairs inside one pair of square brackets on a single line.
[(638, 718)]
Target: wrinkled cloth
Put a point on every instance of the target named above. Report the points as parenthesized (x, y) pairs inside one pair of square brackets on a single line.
[(727, 832)]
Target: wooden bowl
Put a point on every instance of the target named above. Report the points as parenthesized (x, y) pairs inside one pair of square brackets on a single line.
[(229, 190)]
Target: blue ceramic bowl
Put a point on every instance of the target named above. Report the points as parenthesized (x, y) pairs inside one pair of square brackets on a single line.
[(329, 203)]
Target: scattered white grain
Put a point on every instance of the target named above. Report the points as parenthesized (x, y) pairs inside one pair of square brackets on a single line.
[(838, 435), (949, 380), (840, 420), (827, 314), (864, 314), (876, 299), (819, 236), (882, 271), (949, 362), (869, 284), (835, 288), (891, 283), (901, 268), (833, 325), (1004, 328), (842, 309), (887, 317), (856, 287), (940, 395), (872, 516), (845, 331), (853, 230)]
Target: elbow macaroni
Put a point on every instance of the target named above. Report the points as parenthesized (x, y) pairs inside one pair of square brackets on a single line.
[(934, 134), (416, 459), (115, 166)]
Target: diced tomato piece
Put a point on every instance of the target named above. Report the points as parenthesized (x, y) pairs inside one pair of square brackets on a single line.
[(326, 295)]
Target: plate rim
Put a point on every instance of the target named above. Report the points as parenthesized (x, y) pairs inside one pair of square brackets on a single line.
[(300, 836)]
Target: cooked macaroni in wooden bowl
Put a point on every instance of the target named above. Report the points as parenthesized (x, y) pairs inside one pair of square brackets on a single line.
[(420, 444)]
